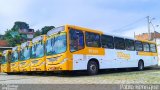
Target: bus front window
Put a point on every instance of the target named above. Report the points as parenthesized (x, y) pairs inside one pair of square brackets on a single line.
[(1, 59), (25, 54), (38, 50), (14, 56), (49, 46), (56, 45), (4, 59)]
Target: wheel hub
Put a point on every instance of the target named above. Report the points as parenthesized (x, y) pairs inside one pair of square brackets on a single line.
[(93, 67)]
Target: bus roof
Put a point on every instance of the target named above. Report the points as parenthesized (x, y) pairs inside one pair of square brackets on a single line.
[(101, 32), (25, 44), (38, 38), (5, 51), (147, 41), (83, 28), (16, 48), (125, 37)]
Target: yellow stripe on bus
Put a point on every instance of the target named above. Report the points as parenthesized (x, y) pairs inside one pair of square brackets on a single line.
[(147, 54)]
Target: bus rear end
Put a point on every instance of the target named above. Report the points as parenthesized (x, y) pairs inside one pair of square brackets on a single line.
[(25, 57), (14, 65), (38, 61)]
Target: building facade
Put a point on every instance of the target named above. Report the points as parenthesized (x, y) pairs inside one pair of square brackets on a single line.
[(4, 45), (27, 33)]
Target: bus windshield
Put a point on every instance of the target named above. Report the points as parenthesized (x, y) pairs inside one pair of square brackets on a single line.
[(0, 59), (38, 50), (14, 56), (4, 59), (25, 54), (57, 44)]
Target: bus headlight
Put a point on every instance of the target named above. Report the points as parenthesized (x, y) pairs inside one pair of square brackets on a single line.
[(34, 61), (53, 59), (42, 63), (64, 60)]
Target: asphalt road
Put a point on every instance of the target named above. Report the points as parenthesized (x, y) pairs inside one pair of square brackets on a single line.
[(122, 76)]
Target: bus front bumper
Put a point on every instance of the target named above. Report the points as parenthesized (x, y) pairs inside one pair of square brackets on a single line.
[(15, 69), (4, 68)]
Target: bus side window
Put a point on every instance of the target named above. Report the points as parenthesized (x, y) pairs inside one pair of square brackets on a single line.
[(92, 39), (129, 44), (107, 41), (76, 40), (146, 47), (138, 46), (119, 43), (153, 48)]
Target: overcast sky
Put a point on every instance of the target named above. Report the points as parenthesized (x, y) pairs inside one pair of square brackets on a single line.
[(123, 17)]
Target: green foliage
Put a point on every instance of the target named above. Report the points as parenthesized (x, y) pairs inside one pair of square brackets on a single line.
[(13, 37), (43, 31), (20, 25), (37, 33)]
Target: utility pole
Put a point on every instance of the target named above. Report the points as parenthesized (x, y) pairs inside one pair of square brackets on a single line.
[(149, 32), (134, 35)]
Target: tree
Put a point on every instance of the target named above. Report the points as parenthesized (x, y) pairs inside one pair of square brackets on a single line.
[(20, 25), (13, 36), (37, 33), (45, 29), (8, 38)]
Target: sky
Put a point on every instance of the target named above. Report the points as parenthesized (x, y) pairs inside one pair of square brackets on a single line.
[(120, 17)]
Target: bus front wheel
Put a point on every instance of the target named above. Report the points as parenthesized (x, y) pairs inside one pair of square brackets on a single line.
[(92, 68), (140, 65)]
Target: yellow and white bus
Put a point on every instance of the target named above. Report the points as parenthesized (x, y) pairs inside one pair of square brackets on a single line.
[(72, 47), (75, 48), (6, 58), (14, 65), (38, 61), (25, 57), (0, 61)]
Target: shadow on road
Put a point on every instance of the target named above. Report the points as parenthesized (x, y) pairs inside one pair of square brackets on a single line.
[(83, 73)]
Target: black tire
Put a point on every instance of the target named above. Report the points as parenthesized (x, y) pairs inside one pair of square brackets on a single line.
[(140, 66), (92, 68)]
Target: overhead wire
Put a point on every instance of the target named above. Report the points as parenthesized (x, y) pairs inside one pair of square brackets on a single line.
[(128, 25)]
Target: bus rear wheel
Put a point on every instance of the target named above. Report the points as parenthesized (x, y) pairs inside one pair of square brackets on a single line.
[(140, 66), (92, 68)]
